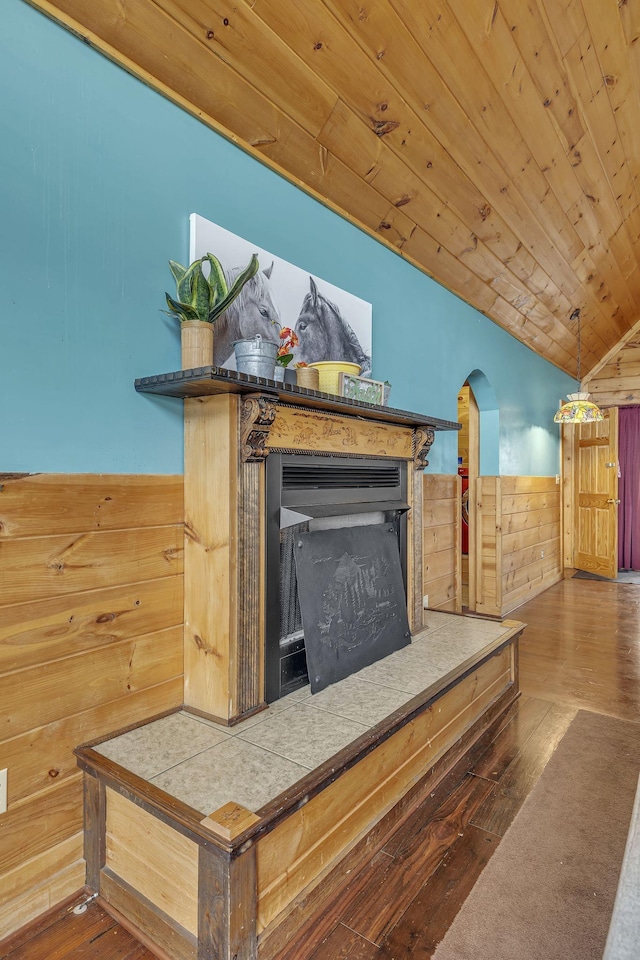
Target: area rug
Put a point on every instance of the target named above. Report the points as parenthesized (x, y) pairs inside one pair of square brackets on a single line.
[(548, 891), (624, 576)]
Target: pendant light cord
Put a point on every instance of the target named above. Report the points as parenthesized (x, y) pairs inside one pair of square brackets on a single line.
[(576, 316)]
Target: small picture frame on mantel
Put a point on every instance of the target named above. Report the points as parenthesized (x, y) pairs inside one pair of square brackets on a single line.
[(361, 388)]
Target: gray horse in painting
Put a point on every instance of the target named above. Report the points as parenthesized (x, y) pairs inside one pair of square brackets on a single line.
[(324, 334), (253, 311)]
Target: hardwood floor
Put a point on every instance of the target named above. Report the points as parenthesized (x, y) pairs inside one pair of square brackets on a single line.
[(581, 646), (61, 934), (581, 650)]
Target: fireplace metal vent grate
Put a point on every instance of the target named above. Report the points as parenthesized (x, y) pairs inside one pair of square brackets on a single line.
[(332, 476)]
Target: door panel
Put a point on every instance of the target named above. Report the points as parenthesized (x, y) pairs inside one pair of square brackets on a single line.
[(597, 494)]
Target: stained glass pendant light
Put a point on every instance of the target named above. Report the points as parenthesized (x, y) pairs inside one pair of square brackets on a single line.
[(578, 408)]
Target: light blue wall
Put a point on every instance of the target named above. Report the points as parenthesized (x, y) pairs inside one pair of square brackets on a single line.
[(99, 175)]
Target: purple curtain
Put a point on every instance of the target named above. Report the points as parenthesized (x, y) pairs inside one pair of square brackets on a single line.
[(629, 489)]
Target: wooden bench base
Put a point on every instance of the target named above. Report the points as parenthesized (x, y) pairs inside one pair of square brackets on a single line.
[(242, 885)]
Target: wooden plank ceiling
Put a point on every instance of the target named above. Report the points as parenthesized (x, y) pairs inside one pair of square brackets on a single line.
[(495, 143)]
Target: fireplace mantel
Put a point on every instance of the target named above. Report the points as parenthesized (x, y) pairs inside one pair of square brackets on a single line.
[(211, 381), (232, 422)]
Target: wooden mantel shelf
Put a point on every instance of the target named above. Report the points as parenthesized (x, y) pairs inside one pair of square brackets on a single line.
[(209, 381)]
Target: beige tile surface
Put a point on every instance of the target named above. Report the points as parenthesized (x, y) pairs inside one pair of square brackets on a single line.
[(355, 699), (232, 770), (283, 704), (206, 764), (304, 734), (155, 747)]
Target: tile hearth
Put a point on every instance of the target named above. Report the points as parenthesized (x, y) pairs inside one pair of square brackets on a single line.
[(206, 765)]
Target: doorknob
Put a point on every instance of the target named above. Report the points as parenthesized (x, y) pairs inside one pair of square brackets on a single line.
[(613, 501)]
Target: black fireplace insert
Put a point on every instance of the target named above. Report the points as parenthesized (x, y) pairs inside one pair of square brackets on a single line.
[(306, 493)]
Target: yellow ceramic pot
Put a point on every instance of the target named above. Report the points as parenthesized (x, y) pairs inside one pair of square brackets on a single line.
[(330, 371)]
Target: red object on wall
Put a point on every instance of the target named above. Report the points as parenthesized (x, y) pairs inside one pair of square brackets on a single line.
[(464, 473)]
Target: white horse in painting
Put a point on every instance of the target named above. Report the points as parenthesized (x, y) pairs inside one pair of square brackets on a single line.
[(253, 311)]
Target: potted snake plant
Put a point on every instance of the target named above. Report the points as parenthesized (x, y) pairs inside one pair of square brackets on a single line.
[(198, 303)]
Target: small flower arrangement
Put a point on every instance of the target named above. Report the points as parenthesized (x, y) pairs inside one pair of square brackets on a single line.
[(285, 350)]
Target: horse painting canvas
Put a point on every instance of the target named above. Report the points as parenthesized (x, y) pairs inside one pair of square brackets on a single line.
[(253, 311), (331, 324), (324, 334)]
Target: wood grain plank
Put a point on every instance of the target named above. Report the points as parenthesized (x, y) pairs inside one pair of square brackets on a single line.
[(518, 485), (45, 504), (36, 568), (512, 542), (32, 874), (440, 486), (440, 537), (227, 905), (421, 83), (45, 630), (392, 882), (516, 522), (535, 570), (49, 692), (211, 546), (344, 944), (511, 739), (44, 755), (166, 938), (442, 591), (519, 559), (153, 859), (439, 564), (523, 502), (93, 924), (500, 808), (32, 827), (94, 811), (236, 39), (434, 908), (437, 513), (503, 94), (405, 135)]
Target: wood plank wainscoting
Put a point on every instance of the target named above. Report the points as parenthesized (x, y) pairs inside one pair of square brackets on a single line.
[(441, 545), (518, 524), (518, 530), (91, 618)]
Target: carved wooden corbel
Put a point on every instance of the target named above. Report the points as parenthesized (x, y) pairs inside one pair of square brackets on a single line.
[(422, 440), (257, 414)]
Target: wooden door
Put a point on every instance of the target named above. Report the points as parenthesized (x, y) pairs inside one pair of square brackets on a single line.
[(596, 512)]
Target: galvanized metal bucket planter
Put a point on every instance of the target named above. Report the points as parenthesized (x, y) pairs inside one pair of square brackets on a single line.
[(256, 356)]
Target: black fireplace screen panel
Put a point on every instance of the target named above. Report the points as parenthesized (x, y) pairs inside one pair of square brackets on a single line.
[(352, 599)]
